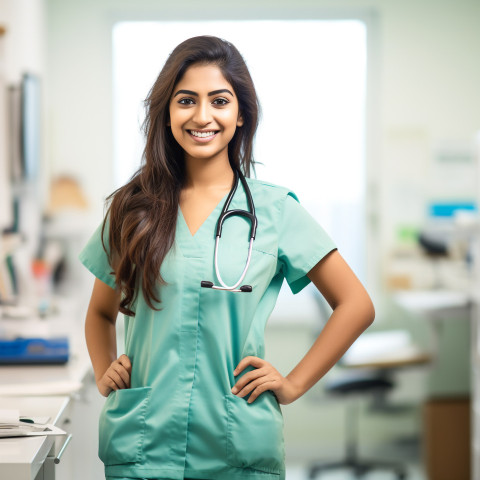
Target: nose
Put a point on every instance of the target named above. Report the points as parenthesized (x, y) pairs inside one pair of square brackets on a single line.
[(202, 115)]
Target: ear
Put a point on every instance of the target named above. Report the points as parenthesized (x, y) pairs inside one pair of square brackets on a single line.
[(239, 120), (168, 123)]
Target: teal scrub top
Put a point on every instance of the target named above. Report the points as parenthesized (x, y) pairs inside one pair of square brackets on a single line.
[(179, 418)]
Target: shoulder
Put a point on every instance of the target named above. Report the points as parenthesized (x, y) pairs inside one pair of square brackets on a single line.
[(270, 190)]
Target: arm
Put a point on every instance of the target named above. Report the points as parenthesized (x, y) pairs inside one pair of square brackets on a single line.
[(353, 312), (110, 373)]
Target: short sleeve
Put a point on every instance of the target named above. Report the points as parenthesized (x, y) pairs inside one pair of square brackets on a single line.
[(94, 257), (302, 243)]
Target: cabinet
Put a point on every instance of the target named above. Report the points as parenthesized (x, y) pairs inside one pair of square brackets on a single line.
[(475, 362), (58, 464), (83, 449), (474, 231)]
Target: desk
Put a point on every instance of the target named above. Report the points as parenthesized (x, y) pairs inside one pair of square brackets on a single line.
[(76, 412), (435, 305), (442, 308), (51, 391), (435, 302), (23, 458), (415, 359), (40, 391)]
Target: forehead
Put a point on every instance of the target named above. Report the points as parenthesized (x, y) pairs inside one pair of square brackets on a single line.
[(199, 77)]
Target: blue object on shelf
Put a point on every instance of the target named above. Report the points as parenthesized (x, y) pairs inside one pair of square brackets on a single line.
[(448, 209), (34, 351)]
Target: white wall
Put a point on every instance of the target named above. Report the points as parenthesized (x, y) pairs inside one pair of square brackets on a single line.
[(425, 88), (25, 39), (429, 93)]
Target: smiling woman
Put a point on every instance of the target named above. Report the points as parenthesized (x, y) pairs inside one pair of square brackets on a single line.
[(193, 395)]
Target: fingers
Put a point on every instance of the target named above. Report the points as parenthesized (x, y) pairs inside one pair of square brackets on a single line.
[(242, 389), (120, 375), (250, 360), (127, 366), (260, 389), (272, 381), (255, 382), (117, 375), (249, 377), (125, 361), (114, 380)]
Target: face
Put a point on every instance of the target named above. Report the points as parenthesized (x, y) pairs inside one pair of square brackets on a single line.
[(204, 113)]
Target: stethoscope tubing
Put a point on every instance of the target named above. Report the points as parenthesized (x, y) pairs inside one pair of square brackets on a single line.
[(217, 271), (253, 229)]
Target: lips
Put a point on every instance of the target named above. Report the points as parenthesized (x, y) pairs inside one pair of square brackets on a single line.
[(203, 135)]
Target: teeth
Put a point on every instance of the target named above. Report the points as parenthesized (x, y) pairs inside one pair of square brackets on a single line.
[(201, 134)]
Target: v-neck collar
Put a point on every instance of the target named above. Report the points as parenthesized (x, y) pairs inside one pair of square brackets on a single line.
[(215, 213)]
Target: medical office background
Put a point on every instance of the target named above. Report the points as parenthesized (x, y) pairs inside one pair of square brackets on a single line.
[(371, 114)]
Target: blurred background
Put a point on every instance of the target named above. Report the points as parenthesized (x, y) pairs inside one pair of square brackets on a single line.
[(371, 114)]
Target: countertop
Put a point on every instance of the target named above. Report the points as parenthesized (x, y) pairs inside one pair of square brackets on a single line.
[(41, 390), (48, 379), (22, 458)]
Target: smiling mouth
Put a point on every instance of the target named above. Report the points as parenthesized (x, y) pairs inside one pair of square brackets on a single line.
[(202, 134)]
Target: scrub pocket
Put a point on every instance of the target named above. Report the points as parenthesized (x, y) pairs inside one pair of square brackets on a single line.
[(255, 433), (122, 426)]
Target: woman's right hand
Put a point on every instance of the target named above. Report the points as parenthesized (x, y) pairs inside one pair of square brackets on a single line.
[(116, 377)]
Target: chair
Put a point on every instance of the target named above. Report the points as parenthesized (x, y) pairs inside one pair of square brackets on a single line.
[(369, 377)]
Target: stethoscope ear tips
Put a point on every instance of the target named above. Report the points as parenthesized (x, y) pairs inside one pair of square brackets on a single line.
[(206, 284), (246, 288)]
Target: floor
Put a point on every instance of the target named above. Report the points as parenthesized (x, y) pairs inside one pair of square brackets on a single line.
[(406, 450), (414, 472)]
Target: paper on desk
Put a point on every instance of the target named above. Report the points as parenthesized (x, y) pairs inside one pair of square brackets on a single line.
[(11, 426), (20, 429)]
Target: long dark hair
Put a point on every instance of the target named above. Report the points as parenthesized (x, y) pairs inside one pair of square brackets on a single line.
[(142, 214)]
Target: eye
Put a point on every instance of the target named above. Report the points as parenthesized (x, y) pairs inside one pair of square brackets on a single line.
[(186, 101), (220, 101)]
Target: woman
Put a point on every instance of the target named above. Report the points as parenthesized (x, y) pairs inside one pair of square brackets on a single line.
[(193, 397)]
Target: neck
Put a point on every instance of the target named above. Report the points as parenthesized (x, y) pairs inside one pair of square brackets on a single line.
[(208, 174)]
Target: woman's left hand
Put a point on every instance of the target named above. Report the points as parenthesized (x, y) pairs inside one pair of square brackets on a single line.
[(264, 377)]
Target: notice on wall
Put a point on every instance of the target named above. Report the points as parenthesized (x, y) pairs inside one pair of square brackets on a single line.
[(407, 153), (453, 173)]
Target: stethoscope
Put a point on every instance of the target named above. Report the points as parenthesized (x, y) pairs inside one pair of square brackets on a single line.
[(253, 228)]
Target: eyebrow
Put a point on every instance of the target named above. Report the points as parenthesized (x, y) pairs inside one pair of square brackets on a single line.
[(215, 92)]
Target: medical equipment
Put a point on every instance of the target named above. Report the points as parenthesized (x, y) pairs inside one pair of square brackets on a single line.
[(253, 228), (34, 351)]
